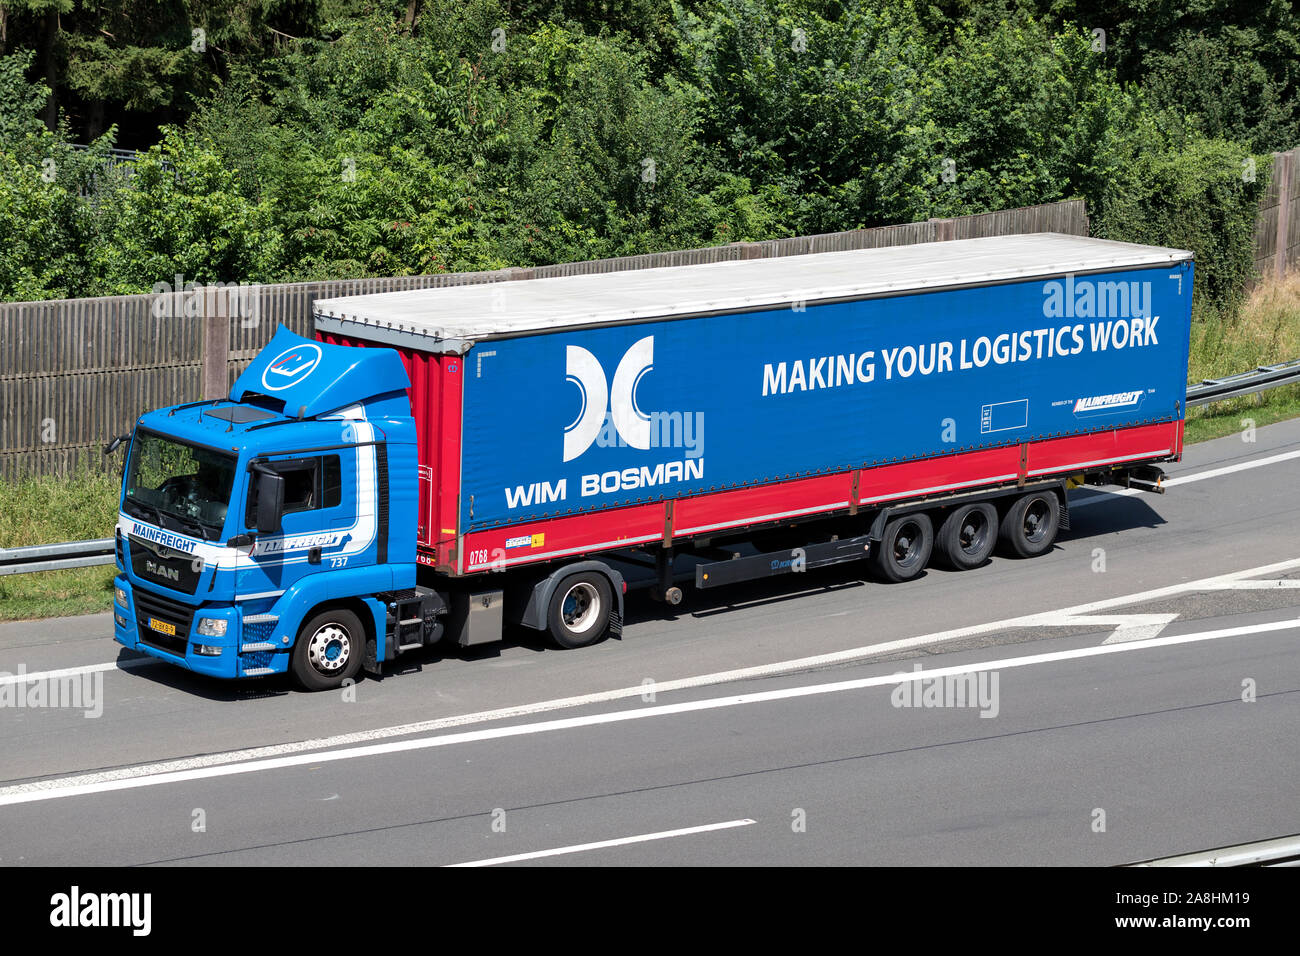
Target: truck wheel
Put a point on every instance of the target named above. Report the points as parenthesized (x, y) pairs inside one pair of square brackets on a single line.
[(905, 547), (1029, 527), (329, 650), (579, 611), (967, 536)]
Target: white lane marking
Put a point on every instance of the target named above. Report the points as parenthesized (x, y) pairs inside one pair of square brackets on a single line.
[(1137, 629), (22, 677), (1100, 496), (622, 841), (601, 697), (1271, 585), (55, 789), (1230, 469), (1265, 852), (1097, 497), (1128, 627)]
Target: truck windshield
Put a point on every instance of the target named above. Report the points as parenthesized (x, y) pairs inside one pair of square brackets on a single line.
[(178, 486)]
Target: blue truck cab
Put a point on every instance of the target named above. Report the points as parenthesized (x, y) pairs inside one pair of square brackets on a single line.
[(274, 531)]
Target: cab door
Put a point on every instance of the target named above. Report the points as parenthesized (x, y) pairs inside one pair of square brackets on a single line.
[(318, 514)]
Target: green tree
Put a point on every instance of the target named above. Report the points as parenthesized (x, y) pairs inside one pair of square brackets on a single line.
[(1198, 195), (817, 101), (1025, 115), (183, 212), (1216, 84), (20, 100)]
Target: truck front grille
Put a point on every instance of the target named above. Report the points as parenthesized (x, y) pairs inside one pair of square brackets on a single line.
[(166, 568), (166, 612)]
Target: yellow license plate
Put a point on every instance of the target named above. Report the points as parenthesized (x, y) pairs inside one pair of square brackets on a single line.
[(162, 627)]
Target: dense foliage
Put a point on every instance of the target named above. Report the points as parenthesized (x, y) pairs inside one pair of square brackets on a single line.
[(299, 139)]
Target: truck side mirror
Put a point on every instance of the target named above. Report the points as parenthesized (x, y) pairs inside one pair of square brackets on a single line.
[(113, 446), (270, 501)]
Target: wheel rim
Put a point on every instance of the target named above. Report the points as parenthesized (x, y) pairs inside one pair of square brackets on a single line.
[(907, 544), (1037, 518), (580, 607), (329, 648), (974, 532)]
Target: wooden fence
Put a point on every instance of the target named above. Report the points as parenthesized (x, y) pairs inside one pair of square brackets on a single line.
[(75, 372), (1277, 226)]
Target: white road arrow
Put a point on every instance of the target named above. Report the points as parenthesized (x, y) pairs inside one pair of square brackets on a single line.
[(1128, 627)]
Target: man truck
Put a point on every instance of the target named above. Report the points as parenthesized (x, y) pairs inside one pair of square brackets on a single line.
[(438, 465)]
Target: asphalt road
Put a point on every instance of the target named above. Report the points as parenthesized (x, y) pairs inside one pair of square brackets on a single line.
[(782, 740)]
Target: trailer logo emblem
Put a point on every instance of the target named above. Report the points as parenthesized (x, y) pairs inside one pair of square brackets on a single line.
[(1099, 404), (291, 366), (584, 370)]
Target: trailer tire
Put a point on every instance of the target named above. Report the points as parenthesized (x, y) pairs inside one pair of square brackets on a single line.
[(330, 649), (1030, 525), (967, 536), (905, 547), (580, 609)]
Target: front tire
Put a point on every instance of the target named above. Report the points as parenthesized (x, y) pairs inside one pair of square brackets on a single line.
[(580, 609), (329, 650)]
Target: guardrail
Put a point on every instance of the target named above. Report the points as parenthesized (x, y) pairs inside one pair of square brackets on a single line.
[(81, 554), (1245, 383), (53, 557)]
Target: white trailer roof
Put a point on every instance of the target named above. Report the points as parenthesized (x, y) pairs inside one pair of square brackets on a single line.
[(457, 316)]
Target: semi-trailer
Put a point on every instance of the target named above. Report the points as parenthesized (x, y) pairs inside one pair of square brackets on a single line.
[(437, 465)]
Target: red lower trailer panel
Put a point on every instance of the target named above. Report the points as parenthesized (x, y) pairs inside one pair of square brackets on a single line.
[(664, 521)]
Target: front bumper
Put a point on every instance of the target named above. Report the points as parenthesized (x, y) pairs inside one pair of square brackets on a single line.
[(162, 627)]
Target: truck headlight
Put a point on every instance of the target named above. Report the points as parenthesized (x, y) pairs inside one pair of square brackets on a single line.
[(119, 595), (212, 626)]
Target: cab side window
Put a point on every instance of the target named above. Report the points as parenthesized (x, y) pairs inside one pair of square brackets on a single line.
[(301, 480), (309, 484)]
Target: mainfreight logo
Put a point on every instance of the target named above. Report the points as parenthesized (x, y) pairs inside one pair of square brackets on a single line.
[(327, 539), (175, 542), (1098, 404), (291, 366)]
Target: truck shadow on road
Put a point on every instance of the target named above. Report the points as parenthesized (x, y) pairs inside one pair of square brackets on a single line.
[(1103, 518), (1111, 516)]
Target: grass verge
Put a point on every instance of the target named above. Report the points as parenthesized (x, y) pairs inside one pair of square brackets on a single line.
[(1265, 332), (45, 510)]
